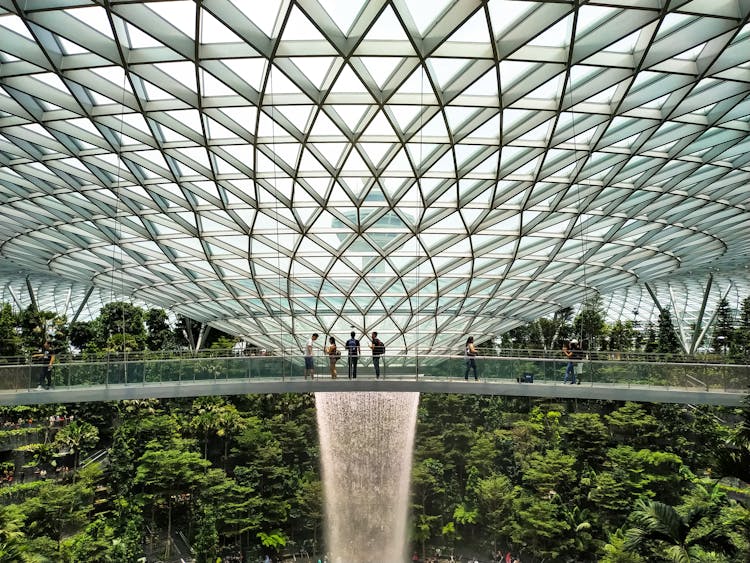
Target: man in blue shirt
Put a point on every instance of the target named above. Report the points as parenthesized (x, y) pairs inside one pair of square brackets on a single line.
[(352, 346)]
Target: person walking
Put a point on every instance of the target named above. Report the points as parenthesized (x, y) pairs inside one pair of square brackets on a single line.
[(354, 350), (46, 357), (470, 353), (309, 364), (569, 351), (378, 350), (333, 356)]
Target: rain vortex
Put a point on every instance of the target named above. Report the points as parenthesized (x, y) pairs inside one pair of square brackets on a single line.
[(366, 442)]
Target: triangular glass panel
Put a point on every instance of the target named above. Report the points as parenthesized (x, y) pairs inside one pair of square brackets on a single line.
[(351, 115), (486, 85), (422, 18), (324, 127), (348, 83), (387, 27), (474, 30), (379, 126), (251, 70), (332, 152), (279, 83), (211, 86), (381, 68), (559, 35), (182, 71), (298, 116), (316, 69), (375, 151), (214, 31), (403, 115), (298, 28)]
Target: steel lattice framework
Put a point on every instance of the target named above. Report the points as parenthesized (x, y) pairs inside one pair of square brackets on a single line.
[(427, 170)]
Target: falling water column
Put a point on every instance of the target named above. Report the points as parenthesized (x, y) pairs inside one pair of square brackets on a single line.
[(366, 444)]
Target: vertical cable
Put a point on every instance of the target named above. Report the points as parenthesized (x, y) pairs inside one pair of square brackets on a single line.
[(276, 207), (579, 218)]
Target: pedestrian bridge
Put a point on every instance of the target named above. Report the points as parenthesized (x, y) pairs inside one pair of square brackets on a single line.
[(122, 378)]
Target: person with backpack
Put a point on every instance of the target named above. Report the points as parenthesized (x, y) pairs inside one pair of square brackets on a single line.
[(352, 347), (333, 356), (378, 350)]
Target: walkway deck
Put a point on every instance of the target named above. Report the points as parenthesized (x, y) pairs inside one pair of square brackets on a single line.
[(556, 390)]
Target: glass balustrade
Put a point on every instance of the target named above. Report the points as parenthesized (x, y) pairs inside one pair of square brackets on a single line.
[(184, 369)]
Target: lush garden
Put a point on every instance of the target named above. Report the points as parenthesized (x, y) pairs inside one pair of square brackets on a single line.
[(237, 478)]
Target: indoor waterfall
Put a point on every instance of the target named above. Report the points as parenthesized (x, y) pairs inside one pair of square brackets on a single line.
[(366, 443)]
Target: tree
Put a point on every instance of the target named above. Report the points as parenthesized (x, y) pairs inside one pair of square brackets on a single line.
[(83, 335), (660, 530), (651, 344), (615, 551), (667, 341), (165, 474), (540, 526), (495, 495), (206, 540), (741, 337), (160, 335), (123, 319), (590, 323), (723, 327), (78, 437), (585, 435), (13, 545), (621, 335), (10, 342)]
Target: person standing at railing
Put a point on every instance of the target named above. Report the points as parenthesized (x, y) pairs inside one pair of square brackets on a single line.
[(470, 353), (570, 351), (333, 356), (309, 364), (46, 357), (378, 350), (353, 348)]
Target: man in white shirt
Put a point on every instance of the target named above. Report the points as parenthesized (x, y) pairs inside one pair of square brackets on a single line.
[(309, 365)]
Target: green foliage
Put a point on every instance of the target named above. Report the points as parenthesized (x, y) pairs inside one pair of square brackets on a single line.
[(79, 437), (120, 327), (10, 342), (206, 542), (160, 335), (241, 474), (589, 324), (667, 341), (622, 335)]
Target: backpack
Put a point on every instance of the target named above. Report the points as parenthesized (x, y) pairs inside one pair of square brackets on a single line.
[(379, 348)]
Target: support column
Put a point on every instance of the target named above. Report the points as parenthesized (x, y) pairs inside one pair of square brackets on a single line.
[(202, 335), (83, 304), (31, 294), (680, 334)]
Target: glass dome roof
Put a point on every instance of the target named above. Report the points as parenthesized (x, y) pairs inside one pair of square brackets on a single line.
[(285, 167)]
